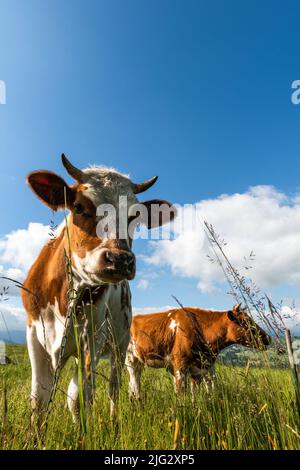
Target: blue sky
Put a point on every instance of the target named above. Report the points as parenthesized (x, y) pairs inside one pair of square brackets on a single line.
[(198, 92)]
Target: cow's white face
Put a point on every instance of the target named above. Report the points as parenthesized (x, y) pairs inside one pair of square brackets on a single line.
[(97, 255), (105, 186), (101, 257)]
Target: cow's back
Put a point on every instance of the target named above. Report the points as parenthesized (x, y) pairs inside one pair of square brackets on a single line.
[(154, 336)]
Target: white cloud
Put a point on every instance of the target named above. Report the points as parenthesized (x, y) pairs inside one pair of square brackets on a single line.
[(208, 288), (143, 284), (262, 220), (18, 250), (12, 273), (145, 310), (20, 247), (12, 317), (291, 317)]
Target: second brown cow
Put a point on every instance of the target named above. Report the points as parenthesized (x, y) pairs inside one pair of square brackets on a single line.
[(187, 341)]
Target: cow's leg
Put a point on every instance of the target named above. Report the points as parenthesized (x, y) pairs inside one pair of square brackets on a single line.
[(73, 396), (42, 375), (180, 379), (206, 377), (135, 369), (209, 380), (180, 371), (195, 381), (88, 378)]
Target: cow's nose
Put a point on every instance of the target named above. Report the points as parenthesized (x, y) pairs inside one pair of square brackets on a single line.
[(120, 261), (109, 257), (129, 262), (125, 262)]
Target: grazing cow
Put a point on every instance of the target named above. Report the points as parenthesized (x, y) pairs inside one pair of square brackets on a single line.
[(79, 268), (187, 341)]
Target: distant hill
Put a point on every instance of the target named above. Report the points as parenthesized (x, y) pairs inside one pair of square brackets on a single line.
[(14, 336), (240, 356)]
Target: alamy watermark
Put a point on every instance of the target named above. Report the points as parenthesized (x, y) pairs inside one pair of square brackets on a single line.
[(295, 96), (2, 92), (164, 220)]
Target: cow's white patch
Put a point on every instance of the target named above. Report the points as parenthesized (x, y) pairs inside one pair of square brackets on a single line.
[(180, 378), (73, 397), (105, 185), (50, 329), (173, 325), (132, 347), (167, 359), (134, 367), (132, 353), (42, 375), (89, 264), (113, 197)]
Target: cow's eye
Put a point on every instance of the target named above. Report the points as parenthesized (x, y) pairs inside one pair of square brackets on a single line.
[(78, 208)]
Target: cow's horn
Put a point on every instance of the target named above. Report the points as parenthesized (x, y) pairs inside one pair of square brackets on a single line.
[(237, 307), (141, 187), (77, 174)]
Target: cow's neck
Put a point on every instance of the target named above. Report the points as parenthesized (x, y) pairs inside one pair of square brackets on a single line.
[(215, 331), (64, 282)]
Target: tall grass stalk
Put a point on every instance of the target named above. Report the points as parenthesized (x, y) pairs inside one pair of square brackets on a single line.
[(72, 303)]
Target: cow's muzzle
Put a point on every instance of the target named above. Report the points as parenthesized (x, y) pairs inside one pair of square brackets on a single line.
[(117, 265), (262, 341), (267, 340)]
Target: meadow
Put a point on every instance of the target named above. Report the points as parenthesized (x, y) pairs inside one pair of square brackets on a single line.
[(249, 408)]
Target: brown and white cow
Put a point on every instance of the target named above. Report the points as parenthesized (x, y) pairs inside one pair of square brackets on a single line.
[(103, 265), (187, 342)]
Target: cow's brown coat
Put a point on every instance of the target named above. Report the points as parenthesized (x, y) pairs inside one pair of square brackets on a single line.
[(188, 340)]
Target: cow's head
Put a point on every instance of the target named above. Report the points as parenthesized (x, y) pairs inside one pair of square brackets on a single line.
[(97, 257), (243, 330)]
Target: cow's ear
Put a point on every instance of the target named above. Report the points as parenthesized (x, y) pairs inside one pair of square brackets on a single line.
[(159, 212), (51, 189), (232, 316)]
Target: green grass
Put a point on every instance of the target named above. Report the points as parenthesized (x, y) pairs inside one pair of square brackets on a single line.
[(250, 408)]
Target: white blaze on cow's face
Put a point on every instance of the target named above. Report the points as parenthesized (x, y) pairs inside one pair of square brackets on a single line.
[(95, 236)]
